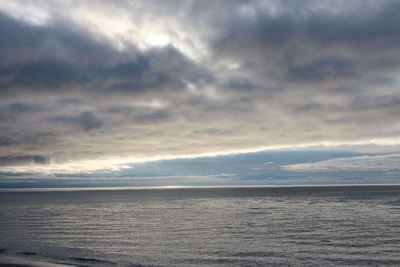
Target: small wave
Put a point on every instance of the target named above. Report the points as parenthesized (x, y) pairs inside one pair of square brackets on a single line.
[(92, 260), (27, 253), (365, 261), (140, 265), (209, 261), (325, 241), (260, 254), (395, 203), (255, 213)]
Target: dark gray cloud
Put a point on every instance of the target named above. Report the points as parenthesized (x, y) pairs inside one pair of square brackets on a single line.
[(13, 139), (86, 120), (239, 84), (324, 69), (23, 159), (141, 114), (18, 107), (153, 117), (155, 70), (45, 75), (7, 141), (62, 58), (316, 46)]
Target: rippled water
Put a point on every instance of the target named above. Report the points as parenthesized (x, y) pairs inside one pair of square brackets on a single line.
[(288, 226)]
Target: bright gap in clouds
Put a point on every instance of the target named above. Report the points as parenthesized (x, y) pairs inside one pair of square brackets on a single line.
[(157, 40), (275, 167), (115, 164)]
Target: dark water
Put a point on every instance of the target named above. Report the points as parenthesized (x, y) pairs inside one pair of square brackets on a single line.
[(303, 226)]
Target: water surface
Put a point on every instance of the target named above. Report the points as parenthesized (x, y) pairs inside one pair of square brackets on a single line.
[(281, 226)]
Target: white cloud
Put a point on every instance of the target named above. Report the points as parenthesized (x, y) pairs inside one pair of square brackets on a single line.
[(363, 163)]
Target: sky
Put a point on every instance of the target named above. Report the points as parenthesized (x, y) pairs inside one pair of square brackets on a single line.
[(167, 93)]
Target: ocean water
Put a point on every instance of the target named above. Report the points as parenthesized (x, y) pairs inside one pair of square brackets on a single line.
[(282, 226)]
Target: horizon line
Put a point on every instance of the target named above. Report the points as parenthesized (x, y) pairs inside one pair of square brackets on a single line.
[(132, 188)]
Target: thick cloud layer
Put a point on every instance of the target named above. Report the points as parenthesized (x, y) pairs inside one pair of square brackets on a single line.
[(132, 81)]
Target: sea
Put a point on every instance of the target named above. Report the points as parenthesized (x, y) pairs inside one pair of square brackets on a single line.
[(232, 226)]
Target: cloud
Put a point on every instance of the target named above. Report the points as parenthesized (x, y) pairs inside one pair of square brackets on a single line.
[(323, 69), (156, 116), (62, 59), (308, 56), (23, 107), (23, 160), (145, 80), (362, 163), (86, 120)]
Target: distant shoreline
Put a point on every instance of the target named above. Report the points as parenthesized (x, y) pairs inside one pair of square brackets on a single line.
[(67, 189)]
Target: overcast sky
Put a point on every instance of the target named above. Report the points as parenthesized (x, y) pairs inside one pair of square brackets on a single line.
[(145, 92)]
